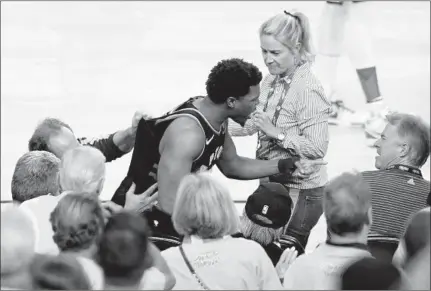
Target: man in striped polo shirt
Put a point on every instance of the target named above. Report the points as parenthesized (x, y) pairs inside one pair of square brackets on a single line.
[(398, 188)]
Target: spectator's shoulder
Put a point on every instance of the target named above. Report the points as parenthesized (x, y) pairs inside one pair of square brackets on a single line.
[(370, 173), (247, 245)]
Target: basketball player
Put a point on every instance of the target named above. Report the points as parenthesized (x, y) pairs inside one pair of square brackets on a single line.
[(345, 23), (193, 137)]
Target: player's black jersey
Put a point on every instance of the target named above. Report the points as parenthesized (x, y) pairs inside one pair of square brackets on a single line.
[(146, 156)]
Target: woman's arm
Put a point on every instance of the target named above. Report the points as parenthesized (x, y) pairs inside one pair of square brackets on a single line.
[(312, 113)]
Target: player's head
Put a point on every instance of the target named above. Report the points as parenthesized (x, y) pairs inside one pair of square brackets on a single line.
[(235, 84), (285, 41), (405, 140), (54, 136)]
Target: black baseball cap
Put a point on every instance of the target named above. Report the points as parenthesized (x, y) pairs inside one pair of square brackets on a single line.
[(269, 206)]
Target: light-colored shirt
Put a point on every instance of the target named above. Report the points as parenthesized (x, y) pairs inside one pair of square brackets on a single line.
[(303, 119), (223, 264), (322, 269), (40, 209)]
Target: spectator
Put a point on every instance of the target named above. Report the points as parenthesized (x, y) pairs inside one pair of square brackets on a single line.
[(370, 274), (292, 115), (82, 170), (77, 223), (402, 150), (17, 248), (35, 174), (128, 259), (265, 214), (209, 257), (56, 136), (347, 208), (192, 137), (60, 272), (416, 237)]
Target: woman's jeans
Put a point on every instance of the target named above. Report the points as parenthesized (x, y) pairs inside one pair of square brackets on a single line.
[(306, 213)]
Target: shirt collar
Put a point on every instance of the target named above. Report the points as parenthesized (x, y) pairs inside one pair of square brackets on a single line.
[(290, 77), (405, 168)]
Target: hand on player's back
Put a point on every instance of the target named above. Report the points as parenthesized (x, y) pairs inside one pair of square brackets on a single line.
[(143, 201)]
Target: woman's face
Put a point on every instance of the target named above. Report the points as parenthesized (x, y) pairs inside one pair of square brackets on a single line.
[(277, 57)]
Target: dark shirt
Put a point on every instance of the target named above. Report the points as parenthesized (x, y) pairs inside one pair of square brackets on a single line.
[(146, 155), (104, 144), (272, 250)]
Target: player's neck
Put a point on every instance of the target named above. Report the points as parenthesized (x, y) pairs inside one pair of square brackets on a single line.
[(214, 113)]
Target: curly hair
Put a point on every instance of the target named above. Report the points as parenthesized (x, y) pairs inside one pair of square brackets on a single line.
[(77, 221), (42, 133), (231, 78)]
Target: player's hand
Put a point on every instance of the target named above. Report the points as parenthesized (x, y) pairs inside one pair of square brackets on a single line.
[(137, 117), (286, 259), (263, 123), (141, 202), (304, 168)]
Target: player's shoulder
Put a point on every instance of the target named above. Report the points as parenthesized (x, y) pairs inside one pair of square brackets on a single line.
[(184, 132)]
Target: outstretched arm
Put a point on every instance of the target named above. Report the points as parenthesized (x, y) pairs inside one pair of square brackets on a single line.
[(241, 168)]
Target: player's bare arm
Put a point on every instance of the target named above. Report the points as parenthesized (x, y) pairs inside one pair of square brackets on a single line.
[(182, 142), (241, 168)]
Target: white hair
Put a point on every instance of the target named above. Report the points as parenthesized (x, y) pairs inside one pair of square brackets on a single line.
[(82, 169), (262, 235), (204, 208)]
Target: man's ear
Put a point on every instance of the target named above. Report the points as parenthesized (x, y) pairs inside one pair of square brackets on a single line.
[(231, 102), (404, 150)]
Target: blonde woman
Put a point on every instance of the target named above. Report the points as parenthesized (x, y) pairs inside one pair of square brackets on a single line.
[(291, 118), (209, 258)]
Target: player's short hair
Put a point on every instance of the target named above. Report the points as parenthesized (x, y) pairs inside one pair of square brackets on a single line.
[(231, 78), (203, 207), (39, 141), (35, 174), (346, 203), (416, 131)]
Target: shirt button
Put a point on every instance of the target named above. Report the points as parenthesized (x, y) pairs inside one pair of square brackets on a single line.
[(288, 81), (278, 107)]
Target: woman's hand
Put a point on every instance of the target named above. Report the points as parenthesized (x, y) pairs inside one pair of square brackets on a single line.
[(264, 124)]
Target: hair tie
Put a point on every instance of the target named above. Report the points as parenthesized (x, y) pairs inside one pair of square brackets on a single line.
[(290, 14)]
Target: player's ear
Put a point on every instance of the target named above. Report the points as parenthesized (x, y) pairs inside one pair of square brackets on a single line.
[(231, 102)]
